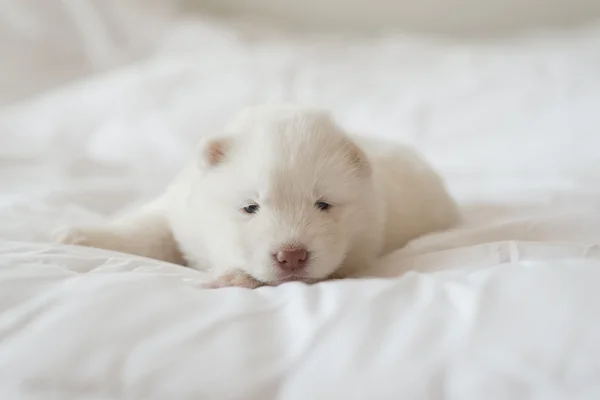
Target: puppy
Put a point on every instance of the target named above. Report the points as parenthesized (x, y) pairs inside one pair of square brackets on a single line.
[(283, 194)]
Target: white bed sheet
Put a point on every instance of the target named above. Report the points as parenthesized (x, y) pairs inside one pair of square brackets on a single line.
[(505, 306)]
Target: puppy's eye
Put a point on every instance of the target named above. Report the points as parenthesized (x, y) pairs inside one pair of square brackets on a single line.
[(251, 209), (321, 205)]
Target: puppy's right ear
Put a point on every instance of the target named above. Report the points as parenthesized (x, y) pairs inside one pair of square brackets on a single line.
[(213, 151)]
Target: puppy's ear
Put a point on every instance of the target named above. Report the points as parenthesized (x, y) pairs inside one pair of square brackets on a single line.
[(358, 159), (213, 151)]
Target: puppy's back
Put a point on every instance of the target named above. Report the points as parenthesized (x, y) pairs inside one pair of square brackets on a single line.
[(415, 197)]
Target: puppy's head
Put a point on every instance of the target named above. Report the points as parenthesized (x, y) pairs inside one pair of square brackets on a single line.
[(280, 194)]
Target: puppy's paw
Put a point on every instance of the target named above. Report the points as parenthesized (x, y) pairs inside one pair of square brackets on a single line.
[(88, 237), (235, 279), (75, 236)]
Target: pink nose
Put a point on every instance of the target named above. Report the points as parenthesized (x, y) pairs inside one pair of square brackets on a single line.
[(291, 260)]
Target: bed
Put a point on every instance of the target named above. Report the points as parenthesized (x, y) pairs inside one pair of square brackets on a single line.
[(504, 306)]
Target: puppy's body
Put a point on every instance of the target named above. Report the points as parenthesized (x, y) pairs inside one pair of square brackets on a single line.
[(284, 194)]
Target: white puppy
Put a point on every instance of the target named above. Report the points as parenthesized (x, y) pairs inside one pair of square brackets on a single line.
[(283, 194)]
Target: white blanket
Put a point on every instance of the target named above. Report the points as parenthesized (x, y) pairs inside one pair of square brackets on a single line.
[(504, 307)]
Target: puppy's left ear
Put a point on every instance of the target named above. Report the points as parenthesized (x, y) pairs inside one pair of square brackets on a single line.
[(213, 151)]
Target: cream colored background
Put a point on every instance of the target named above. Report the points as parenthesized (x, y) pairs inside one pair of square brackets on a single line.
[(438, 16)]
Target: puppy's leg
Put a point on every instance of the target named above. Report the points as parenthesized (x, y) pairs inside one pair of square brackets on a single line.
[(239, 278), (235, 278), (144, 232)]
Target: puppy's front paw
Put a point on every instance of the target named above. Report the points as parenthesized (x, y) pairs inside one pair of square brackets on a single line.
[(88, 237), (75, 236), (235, 279)]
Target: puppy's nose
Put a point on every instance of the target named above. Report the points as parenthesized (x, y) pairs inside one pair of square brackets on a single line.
[(291, 260)]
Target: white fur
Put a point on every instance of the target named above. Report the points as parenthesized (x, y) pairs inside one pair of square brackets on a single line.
[(285, 159)]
